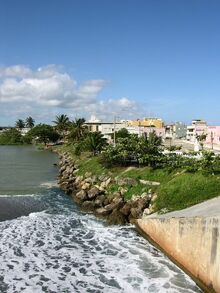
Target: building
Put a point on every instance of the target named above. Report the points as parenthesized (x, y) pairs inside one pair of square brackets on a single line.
[(213, 135), (198, 127), (147, 122), (106, 128), (180, 130)]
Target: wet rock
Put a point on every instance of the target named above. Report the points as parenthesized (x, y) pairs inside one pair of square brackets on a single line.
[(88, 205), (116, 218), (102, 212)]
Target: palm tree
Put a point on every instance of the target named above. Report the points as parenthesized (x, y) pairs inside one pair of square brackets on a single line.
[(20, 124), (95, 142), (29, 122), (78, 130), (62, 123)]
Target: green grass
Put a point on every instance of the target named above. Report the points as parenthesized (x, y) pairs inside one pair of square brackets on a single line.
[(186, 190), (177, 189)]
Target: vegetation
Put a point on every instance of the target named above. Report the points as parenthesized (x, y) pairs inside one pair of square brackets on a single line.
[(77, 131), (11, 136), (62, 123), (29, 122), (20, 124), (184, 179), (43, 133)]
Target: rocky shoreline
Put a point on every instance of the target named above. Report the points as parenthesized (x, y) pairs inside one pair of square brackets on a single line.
[(91, 193)]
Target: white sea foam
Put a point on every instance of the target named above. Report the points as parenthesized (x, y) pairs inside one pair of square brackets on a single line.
[(76, 253), (19, 195)]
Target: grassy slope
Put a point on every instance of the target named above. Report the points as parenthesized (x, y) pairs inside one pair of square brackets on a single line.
[(177, 190)]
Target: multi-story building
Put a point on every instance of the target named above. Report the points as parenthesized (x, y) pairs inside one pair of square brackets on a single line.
[(106, 128), (198, 127)]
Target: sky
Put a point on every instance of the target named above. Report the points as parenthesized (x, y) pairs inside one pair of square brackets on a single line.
[(124, 58)]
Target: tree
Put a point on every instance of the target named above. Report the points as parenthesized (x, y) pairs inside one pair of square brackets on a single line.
[(11, 136), (29, 122), (122, 133), (62, 123), (44, 133), (78, 130), (201, 138), (95, 142), (20, 124)]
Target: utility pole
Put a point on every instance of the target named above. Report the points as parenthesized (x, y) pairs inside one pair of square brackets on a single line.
[(212, 138)]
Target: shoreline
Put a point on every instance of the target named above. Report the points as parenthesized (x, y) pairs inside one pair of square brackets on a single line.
[(72, 186)]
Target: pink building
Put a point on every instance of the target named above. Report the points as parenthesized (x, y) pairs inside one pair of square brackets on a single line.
[(213, 135)]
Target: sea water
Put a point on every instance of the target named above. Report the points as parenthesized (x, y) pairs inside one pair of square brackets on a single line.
[(48, 245)]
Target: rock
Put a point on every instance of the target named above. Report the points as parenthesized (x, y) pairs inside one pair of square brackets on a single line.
[(146, 212), (75, 171), (154, 197), (93, 192), (136, 213), (98, 203), (143, 202), (85, 186), (117, 204), (147, 182), (102, 212), (88, 174), (116, 218), (81, 195), (122, 190), (126, 209), (105, 183), (126, 181), (78, 179), (88, 205)]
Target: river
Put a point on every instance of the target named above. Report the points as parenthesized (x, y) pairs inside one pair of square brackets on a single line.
[(48, 245)]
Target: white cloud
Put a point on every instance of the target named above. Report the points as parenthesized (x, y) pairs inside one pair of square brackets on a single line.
[(49, 90)]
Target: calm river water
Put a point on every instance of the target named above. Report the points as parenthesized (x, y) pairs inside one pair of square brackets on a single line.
[(48, 245)]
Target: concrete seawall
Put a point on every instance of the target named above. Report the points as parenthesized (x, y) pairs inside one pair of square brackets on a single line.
[(191, 239)]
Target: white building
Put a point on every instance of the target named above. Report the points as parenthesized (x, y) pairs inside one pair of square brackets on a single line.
[(197, 128)]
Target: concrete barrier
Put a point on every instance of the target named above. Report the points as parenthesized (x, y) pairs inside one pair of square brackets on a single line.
[(193, 242)]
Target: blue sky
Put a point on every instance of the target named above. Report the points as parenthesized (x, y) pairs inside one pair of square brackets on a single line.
[(131, 58)]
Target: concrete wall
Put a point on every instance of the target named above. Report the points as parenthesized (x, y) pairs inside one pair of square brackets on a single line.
[(192, 242)]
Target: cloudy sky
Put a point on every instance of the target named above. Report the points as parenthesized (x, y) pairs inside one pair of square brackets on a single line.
[(125, 58)]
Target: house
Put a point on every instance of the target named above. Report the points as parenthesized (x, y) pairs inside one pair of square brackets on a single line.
[(197, 128)]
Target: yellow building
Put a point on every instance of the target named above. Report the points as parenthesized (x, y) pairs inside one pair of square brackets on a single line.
[(147, 122)]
